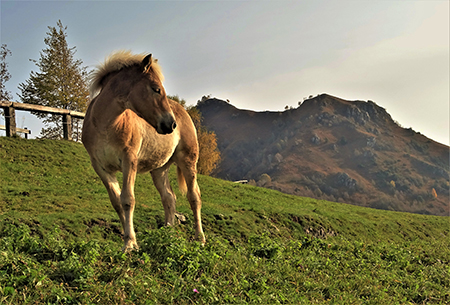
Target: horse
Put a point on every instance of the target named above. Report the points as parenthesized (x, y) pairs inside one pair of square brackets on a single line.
[(131, 126)]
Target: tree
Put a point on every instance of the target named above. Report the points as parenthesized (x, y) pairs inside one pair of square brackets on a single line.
[(61, 83), (209, 156), (5, 95), (209, 153)]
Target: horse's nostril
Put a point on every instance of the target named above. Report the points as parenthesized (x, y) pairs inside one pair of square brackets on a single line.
[(167, 126)]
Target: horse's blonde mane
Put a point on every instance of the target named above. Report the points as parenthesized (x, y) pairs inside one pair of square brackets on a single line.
[(115, 62)]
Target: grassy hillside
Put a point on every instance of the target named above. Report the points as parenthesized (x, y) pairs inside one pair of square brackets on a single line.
[(60, 241)]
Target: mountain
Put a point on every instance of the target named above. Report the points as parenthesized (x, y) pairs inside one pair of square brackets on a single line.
[(333, 149)]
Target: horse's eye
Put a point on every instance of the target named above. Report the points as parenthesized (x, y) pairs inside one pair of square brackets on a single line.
[(157, 90)]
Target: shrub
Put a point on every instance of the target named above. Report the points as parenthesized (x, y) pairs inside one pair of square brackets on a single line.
[(264, 180)]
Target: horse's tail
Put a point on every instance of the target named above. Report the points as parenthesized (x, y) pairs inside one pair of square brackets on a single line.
[(181, 181)]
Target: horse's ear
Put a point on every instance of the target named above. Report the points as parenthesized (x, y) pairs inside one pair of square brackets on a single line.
[(146, 63)]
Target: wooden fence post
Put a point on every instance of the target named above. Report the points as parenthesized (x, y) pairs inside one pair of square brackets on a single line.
[(67, 126), (10, 121)]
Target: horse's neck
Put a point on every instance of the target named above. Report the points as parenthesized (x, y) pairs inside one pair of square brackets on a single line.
[(107, 108), (109, 104)]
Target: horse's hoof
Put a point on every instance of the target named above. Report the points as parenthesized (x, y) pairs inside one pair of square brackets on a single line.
[(201, 239), (130, 246)]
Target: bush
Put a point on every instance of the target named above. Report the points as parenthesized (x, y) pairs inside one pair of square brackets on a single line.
[(264, 180)]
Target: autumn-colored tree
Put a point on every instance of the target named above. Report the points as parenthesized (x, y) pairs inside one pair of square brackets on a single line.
[(209, 156), (61, 83), (209, 153)]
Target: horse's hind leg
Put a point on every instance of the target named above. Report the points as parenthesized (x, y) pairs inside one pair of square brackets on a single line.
[(189, 172), (168, 198)]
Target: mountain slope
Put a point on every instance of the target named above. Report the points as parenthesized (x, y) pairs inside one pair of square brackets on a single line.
[(333, 149)]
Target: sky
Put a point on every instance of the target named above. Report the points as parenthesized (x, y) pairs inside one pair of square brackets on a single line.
[(260, 55)]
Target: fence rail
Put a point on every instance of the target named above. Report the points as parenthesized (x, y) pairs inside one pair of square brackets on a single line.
[(25, 130), (10, 116)]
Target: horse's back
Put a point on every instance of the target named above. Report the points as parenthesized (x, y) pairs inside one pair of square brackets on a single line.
[(188, 134)]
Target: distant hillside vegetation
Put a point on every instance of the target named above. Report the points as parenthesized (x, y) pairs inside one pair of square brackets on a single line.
[(333, 149)]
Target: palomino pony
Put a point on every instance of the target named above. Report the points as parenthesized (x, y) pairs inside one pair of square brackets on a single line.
[(131, 126)]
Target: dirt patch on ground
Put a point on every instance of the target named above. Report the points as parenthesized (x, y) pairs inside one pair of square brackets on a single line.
[(312, 227), (107, 227)]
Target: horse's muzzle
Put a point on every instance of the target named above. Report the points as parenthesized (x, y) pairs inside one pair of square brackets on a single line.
[(166, 125)]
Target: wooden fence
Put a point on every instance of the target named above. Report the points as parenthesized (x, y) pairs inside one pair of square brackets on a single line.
[(10, 116), (25, 130)]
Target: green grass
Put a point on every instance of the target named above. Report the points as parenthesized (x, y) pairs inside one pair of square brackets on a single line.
[(60, 243)]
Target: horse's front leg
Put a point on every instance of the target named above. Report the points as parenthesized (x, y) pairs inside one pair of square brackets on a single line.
[(112, 186), (128, 202)]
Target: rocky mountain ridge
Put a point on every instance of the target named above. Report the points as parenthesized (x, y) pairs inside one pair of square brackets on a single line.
[(333, 149)]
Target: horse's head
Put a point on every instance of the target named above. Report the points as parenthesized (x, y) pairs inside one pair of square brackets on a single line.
[(148, 98)]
